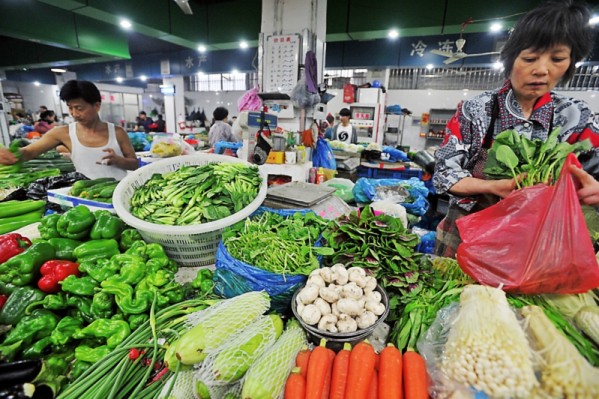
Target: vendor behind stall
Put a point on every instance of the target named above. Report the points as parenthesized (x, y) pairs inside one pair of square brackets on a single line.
[(98, 149)]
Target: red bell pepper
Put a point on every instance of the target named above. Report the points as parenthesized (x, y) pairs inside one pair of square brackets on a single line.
[(12, 244), (54, 271), (3, 299)]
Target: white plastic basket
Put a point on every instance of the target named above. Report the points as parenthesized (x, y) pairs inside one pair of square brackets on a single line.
[(191, 245)]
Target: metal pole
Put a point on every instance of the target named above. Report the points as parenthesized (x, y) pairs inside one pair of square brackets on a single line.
[(4, 132)]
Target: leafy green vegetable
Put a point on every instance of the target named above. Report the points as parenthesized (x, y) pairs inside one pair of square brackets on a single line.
[(541, 161)]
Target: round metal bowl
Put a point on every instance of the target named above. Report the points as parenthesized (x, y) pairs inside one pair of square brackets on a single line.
[(337, 339)]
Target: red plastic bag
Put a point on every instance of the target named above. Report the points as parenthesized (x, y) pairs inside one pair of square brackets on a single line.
[(534, 241)]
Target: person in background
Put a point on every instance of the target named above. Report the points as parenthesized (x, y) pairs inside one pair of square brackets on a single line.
[(542, 50), (344, 131), (97, 148), (328, 128), (220, 129), (46, 122), (143, 122), (160, 124)]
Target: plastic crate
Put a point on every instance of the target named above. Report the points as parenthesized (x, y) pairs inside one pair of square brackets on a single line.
[(191, 245), (395, 174)]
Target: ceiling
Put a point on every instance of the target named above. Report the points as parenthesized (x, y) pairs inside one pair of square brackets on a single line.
[(43, 33)]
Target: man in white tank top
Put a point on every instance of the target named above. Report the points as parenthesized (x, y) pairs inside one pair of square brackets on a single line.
[(98, 149)]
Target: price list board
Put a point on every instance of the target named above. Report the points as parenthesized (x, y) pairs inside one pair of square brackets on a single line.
[(281, 63)]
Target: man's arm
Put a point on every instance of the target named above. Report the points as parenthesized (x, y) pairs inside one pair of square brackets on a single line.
[(47, 142)]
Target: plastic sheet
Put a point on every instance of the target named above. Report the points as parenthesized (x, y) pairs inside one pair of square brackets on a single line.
[(411, 194)]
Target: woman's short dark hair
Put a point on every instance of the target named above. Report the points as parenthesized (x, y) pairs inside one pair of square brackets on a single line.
[(551, 23), (83, 89), (220, 113), (46, 114)]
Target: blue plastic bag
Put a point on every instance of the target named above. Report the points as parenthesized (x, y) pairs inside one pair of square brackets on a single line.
[(323, 156), (365, 191), (395, 155), (234, 277)]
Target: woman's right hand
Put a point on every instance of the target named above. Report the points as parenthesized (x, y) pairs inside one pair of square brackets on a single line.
[(502, 188), (7, 157)]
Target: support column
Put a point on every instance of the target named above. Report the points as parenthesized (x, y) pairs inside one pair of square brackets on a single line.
[(4, 108), (174, 104)]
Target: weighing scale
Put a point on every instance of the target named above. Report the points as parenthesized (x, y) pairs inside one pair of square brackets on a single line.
[(301, 195)]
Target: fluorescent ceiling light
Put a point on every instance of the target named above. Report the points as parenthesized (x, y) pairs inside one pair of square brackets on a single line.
[(495, 27), (58, 70), (119, 80), (36, 83), (202, 48), (234, 72), (429, 66), (579, 63), (243, 44), (497, 65), (393, 34), (143, 78), (594, 20), (125, 24)]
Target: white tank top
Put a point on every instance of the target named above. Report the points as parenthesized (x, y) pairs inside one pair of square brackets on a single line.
[(85, 158)]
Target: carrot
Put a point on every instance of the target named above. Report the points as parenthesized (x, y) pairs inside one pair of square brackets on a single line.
[(339, 375), (390, 373), (414, 376), (295, 387), (318, 370), (327, 380), (373, 391), (377, 361), (361, 367), (302, 359)]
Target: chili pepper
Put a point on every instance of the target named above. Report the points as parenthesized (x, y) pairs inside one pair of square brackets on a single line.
[(78, 368), (134, 353), (155, 264), (47, 226), (40, 321), (115, 331), (159, 278), (7, 289), (82, 307), (54, 372), (99, 270), (84, 286), (50, 302), (124, 297), (38, 349), (136, 320), (81, 185), (106, 226), (128, 236), (14, 308), (12, 244), (54, 271), (3, 299), (76, 223), (132, 267), (96, 249), (102, 305), (138, 248), (8, 352), (16, 208), (173, 291), (64, 247), (88, 354), (23, 268), (66, 327)]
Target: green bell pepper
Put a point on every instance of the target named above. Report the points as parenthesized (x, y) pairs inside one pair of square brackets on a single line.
[(96, 249), (86, 353), (9, 351), (64, 247), (124, 297), (132, 270), (84, 286), (78, 368), (173, 291), (38, 349), (54, 372), (51, 302), (202, 276), (82, 308), (38, 324), (17, 303), (65, 329), (128, 236), (76, 223), (138, 248), (48, 228), (115, 331), (136, 320), (7, 289), (99, 270), (106, 226), (102, 305), (24, 268)]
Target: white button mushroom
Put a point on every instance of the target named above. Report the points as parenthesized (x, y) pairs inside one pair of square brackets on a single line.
[(357, 275), (316, 280), (341, 276), (308, 294), (366, 319), (370, 284), (349, 306), (323, 306), (311, 314), (329, 294), (334, 309), (326, 274), (352, 291), (373, 296), (375, 307), (328, 323), (315, 272), (346, 324)]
